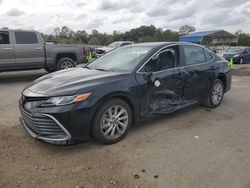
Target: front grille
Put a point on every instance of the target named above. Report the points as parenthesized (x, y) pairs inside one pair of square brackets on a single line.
[(43, 126)]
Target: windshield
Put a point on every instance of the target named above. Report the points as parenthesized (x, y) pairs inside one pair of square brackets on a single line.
[(123, 59), (114, 44), (236, 50)]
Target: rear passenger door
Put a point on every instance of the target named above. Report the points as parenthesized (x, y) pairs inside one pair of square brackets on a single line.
[(200, 69), (7, 56), (29, 51)]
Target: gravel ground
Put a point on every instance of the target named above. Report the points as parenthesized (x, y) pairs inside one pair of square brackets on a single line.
[(195, 147)]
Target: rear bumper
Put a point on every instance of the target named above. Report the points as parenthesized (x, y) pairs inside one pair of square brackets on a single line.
[(235, 59)]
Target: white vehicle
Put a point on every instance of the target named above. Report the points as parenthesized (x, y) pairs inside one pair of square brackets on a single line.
[(102, 50)]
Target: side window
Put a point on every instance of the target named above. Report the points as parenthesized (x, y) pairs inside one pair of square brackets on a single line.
[(164, 60), (209, 57), (23, 37), (193, 55), (4, 37)]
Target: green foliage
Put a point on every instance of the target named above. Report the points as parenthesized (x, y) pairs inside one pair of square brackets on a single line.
[(140, 34), (244, 39), (186, 29)]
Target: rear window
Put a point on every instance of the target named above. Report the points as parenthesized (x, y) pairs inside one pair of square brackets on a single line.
[(194, 55), (209, 57), (26, 37), (4, 37)]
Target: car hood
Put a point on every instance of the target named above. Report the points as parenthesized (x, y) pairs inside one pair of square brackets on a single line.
[(69, 82)]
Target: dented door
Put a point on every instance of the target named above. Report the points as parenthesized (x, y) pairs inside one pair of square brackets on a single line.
[(167, 91), (162, 80)]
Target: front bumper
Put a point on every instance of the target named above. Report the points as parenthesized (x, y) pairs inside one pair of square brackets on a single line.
[(57, 125), (45, 127)]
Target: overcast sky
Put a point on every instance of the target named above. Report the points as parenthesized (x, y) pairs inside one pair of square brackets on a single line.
[(110, 15)]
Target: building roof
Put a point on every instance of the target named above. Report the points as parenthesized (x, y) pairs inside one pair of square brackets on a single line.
[(201, 33), (198, 36)]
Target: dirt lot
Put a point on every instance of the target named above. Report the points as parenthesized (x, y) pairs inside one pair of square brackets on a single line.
[(195, 147)]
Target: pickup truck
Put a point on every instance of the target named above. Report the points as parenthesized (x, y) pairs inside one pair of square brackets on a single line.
[(24, 50)]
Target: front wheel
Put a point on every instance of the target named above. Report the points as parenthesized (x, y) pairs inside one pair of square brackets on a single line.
[(65, 63), (112, 121), (215, 95)]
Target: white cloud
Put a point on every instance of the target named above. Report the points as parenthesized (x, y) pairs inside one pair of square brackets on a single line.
[(110, 15)]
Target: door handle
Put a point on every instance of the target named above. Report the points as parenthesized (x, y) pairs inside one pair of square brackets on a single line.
[(7, 48), (38, 48)]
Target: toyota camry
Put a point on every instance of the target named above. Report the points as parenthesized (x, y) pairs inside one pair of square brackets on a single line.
[(102, 99)]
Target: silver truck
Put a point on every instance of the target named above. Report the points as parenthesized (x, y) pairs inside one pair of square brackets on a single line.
[(24, 50)]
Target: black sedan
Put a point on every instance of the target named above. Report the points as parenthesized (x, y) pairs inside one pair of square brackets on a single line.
[(102, 99), (239, 55)]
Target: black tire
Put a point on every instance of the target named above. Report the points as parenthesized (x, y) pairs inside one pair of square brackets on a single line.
[(65, 63), (98, 125), (209, 101)]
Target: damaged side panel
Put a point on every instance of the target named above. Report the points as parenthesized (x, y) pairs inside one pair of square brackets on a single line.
[(168, 96)]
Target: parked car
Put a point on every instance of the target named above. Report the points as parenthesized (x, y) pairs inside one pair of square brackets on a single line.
[(240, 55), (103, 99), (102, 50), (22, 50)]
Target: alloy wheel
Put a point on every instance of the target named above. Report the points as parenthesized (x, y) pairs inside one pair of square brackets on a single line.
[(217, 93), (114, 122), (67, 65), (241, 60)]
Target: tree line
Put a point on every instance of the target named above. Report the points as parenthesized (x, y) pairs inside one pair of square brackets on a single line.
[(141, 34)]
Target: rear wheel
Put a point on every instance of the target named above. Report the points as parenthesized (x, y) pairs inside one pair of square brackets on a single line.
[(112, 121), (241, 61), (65, 63), (215, 95)]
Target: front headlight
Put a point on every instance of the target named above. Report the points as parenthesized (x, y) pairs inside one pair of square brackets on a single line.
[(236, 55), (65, 100)]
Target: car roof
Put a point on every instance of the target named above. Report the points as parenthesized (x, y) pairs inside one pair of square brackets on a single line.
[(122, 41), (162, 44)]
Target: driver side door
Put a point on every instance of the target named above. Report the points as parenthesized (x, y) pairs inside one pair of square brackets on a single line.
[(163, 82)]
